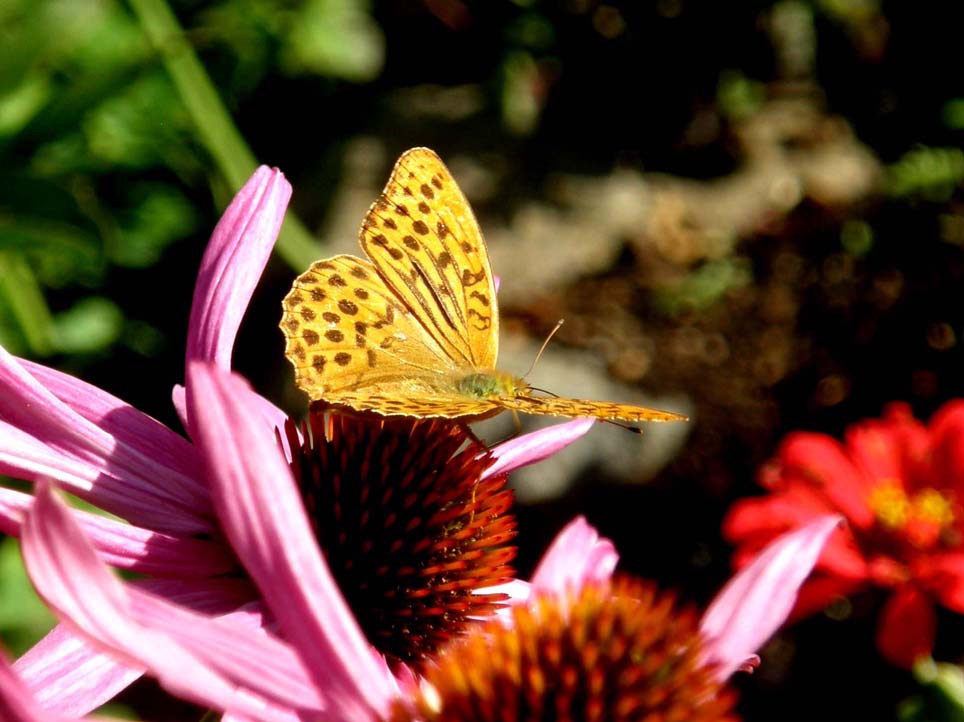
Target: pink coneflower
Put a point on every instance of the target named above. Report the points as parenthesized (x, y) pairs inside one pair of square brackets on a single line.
[(900, 485), (54, 426), (319, 664)]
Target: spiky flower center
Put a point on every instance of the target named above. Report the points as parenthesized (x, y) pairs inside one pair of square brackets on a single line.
[(406, 524), (612, 653)]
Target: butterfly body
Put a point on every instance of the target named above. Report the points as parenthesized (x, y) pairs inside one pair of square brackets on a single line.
[(484, 384), (413, 330)]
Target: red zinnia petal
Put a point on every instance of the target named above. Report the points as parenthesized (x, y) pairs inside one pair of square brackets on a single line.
[(823, 463), (879, 446), (942, 574), (820, 592), (906, 627), (947, 439)]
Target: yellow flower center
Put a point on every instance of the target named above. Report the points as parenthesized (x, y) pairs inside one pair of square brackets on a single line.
[(922, 519)]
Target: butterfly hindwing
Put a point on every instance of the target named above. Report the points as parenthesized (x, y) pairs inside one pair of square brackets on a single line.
[(395, 401), (344, 329)]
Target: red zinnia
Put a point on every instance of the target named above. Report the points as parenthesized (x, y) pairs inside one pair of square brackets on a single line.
[(900, 485)]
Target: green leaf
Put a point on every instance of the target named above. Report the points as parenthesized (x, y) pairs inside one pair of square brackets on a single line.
[(25, 303)]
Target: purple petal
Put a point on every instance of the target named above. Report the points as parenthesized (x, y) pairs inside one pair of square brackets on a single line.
[(217, 596), (536, 446), (234, 645), (232, 264), (16, 702), (273, 417), (131, 547), (516, 591), (65, 674), (262, 514), (67, 574), (129, 426), (759, 598), (179, 399), (577, 555), (42, 436)]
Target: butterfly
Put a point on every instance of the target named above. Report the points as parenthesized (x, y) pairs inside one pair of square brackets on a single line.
[(413, 330)]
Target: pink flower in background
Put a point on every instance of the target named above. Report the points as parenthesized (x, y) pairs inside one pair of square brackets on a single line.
[(54, 426), (900, 485), (589, 646), (320, 665)]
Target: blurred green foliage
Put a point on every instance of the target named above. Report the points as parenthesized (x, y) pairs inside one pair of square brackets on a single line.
[(704, 286), (927, 173), (98, 151), (941, 694), (23, 617)]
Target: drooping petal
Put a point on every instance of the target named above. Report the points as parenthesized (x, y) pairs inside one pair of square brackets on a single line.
[(274, 418), (235, 645), (128, 425), (577, 555), (65, 673), (67, 574), (759, 598), (232, 264), (68, 675), (906, 627), (262, 514), (535, 446), (40, 436), (130, 547), (16, 702), (755, 522)]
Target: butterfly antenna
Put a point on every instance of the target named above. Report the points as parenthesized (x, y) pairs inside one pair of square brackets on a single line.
[(542, 391), (633, 429), (544, 344)]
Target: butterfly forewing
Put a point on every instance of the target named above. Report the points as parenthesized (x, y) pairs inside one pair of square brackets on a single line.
[(424, 240), (344, 329)]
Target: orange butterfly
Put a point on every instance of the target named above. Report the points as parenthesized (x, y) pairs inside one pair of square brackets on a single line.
[(414, 331)]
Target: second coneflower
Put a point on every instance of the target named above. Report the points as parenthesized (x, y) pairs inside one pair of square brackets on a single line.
[(590, 646), (613, 651)]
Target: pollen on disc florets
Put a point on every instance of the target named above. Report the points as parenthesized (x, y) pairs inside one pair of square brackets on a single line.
[(407, 527), (612, 653)]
